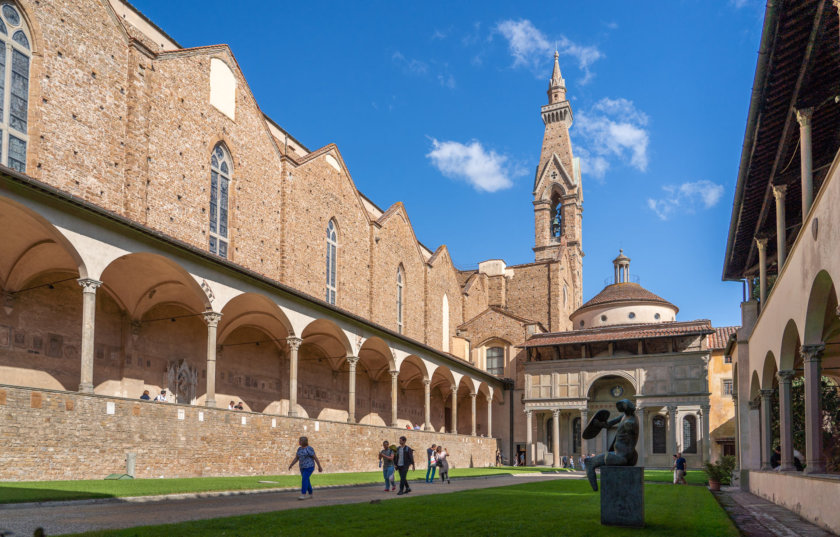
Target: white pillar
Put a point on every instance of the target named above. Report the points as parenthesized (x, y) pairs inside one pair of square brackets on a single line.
[(642, 451), (89, 287), (294, 345), (762, 270), (489, 416), (779, 192), (812, 357), (351, 397), (806, 167), (454, 409), (529, 436), (672, 429), (706, 454), (212, 319), (785, 419), (427, 404), (555, 437), (766, 428), (394, 391), (472, 402)]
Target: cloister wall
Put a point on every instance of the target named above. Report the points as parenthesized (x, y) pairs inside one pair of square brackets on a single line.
[(812, 498), (58, 435)]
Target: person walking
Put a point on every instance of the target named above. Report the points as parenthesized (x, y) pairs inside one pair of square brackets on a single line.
[(386, 461), (431, 464), (443, 463), (403, 459), (498, 457), (305, 455)]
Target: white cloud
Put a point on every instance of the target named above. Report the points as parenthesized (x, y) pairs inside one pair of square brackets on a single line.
[(686, 197), (738, 4), (412, 66), (485, 170), (446, 80), (531, 48), (612, 130)]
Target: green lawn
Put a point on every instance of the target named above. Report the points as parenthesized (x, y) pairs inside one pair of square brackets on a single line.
[(558, 507), (692, 477), (39, 491)]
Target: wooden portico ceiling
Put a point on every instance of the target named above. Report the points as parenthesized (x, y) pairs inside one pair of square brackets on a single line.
[(798, 67)]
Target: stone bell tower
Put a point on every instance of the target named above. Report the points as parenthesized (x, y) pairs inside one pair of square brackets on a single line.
[(558, 196)]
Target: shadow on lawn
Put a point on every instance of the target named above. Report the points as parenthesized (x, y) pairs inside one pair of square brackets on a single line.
[(23, 494)]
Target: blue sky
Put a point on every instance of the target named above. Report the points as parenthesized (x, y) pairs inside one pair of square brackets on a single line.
[(437, 104)]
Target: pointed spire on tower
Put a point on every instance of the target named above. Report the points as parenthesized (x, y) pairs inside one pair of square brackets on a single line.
[(556, 86)]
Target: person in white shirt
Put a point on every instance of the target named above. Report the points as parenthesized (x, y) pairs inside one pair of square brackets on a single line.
[(161, 397)]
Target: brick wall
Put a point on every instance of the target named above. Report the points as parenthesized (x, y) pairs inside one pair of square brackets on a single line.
[(59, 435)]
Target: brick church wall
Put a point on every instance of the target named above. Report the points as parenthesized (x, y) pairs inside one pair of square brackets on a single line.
[(57, 435)]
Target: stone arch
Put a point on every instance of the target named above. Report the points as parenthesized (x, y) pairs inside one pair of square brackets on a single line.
[(755, 386), (768, 371), (616, 373), (329, 337), (323, 371), (373, 382), (789, 349), (818, 314), (411, 391), (442, 381)]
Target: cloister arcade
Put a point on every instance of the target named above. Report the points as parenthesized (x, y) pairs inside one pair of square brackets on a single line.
[(102, 306)]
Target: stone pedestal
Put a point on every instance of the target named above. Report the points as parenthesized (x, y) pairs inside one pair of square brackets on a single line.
[(622, 496)]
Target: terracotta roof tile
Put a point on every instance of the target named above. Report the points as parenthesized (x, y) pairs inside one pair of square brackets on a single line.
[(625, 292), (622, 332), (719, 339)]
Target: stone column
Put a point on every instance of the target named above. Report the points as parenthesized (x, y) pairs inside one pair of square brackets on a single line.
[(529, 436), (427, 404), (804, 118), (785, 419), (762, 270), (706, 454), (472, 402), (489, 416), (555, 437), (351, 396), (642, 449), (812, 357), (394, 391), (454, 390), (212, 319), (584, 421), (89, 287), (766, 428), (672, 429), (779, 192), (294, 345)]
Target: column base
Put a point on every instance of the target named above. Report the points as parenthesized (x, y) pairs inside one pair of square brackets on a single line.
[(395, 425), (86, 387), (292, 413), (210, 403), (815, 468), (427, 427), (787, 468)]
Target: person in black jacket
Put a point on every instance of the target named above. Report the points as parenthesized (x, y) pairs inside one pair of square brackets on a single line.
[(402, 460)]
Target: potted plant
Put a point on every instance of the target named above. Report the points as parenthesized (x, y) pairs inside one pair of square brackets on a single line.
[(719, 472)]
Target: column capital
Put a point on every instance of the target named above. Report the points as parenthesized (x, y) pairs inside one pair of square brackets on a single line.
[(812, 352), (755, 404), (427, 382), (212, 318), (761, 243), (89, 285), (785, 375), (528, 412), (352, 361), (395, 374), (453, 389), (294, 342), (555, 412), (473, 395), (803, 116), (671, 408), (779, 191), (767, 394)]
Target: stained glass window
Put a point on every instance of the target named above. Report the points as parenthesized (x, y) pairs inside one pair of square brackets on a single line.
[(14, 104), (332, 247), (220, 174)]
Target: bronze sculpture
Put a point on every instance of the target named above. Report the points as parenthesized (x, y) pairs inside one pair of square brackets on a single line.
[(622, 452)]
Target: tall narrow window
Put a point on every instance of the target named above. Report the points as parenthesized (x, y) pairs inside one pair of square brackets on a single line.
[(576, 435), (15, 54), (400, 286), (444, 329), (221, 170), (689, 434), (332, 248), (658, 434), (496, 360)]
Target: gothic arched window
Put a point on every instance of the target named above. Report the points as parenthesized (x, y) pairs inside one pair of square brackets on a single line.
[(332, 250), (689, 434), (658, 434), (400, 287), (221, 170), (15, 55)]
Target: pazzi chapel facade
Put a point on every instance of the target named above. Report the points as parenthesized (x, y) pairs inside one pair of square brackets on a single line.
[(158, 231)]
